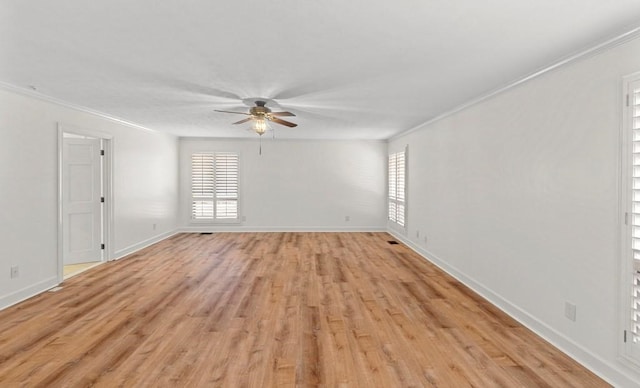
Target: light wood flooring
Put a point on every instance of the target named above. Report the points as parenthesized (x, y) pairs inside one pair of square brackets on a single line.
[(70, 270), (273, 310)]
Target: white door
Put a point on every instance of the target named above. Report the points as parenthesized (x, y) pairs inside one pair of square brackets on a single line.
[(81, 201)]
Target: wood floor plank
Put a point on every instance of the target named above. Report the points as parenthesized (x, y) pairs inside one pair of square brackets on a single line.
[(273, 310)]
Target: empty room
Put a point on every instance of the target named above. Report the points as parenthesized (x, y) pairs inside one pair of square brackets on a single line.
[(334, 194)]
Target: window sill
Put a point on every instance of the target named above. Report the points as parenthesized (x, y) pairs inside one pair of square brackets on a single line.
[(215, 222)]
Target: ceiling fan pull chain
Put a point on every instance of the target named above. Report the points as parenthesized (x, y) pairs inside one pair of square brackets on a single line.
[(260, 151)]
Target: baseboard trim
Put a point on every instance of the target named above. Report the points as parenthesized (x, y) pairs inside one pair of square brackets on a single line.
[(28, 292), (613, 374), (40, 287), (249, 229), (119, 254)]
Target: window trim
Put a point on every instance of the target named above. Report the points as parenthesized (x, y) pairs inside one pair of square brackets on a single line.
[(214, 220)]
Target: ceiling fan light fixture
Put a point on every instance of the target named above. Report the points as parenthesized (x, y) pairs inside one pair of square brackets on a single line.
[(260, 126), (259, 115)]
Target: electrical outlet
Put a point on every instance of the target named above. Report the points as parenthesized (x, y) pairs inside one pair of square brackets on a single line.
[(417, 234), (244, 218), (570, 311), (347, 218), (425, 238), (155, 226), (15, 272)]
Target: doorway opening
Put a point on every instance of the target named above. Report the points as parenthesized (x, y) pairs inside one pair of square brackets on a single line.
[(84, 205)]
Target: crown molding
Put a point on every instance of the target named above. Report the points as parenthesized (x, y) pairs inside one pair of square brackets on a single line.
[(43, 97), (581, 55)]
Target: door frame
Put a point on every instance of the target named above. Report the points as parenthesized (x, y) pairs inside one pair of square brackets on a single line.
[(107, 188)]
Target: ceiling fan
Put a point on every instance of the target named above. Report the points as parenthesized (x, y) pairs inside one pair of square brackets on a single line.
[(260, 114)]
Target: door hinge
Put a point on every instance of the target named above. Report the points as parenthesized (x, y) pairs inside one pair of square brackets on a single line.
[(102, 200), (626, 218), (102, 151), (101, 246), (625, 336)]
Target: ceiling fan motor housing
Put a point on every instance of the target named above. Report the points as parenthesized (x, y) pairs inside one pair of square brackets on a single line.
[(259, 110)]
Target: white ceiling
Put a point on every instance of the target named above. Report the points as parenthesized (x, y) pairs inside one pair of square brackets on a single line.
[(360, 69)]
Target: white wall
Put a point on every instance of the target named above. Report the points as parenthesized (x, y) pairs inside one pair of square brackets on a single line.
[(518, 196), (300, 185), (145, 188)]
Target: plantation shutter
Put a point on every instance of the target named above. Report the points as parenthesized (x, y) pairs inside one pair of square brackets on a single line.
[(202, 187), (634, 109), (214, 186), (393, 163), (397, 188), (226, 182), (400, 176), (635, 306)]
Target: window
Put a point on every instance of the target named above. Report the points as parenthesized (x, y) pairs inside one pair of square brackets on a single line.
[(631, 235), (397, 203), (214, 186)]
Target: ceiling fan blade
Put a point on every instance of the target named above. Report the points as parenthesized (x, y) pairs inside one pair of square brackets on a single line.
[(243, 121), (282, 114), (227, 111), (283, 122)]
